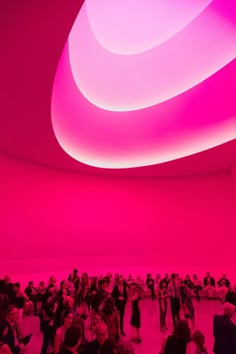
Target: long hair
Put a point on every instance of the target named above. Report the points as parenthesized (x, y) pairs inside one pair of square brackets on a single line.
[(182, 331)]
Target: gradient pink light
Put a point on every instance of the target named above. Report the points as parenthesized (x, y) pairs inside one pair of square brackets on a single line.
[(130, 26), (124, 83), (175, 128)]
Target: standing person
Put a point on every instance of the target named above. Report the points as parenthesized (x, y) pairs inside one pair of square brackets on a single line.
[(61, 331), (197, 286), (150, 285), (199, 341), (162, 299), (4, 348), (19, 300), (175, 296), (225, 331), (13, 338), (187, 303), (119, 294), (111, 318), (178, 342), (135, 296), (72, 341), (101, 345)]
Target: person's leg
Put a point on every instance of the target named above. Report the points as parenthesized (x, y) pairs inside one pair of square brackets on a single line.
[(197, 293), (138, 335), (172, 306), (161, 318), (46, 339), (177, 308), (122, 314)]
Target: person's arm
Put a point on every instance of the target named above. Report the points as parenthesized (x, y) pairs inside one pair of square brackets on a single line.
[(117, 318)]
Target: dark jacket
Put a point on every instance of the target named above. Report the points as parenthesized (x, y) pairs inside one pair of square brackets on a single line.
[(224, 334)]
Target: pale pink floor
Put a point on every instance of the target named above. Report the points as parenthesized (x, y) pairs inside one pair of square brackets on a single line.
[(152, 338)]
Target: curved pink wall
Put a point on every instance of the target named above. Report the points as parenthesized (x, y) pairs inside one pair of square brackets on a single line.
[(53, 220)]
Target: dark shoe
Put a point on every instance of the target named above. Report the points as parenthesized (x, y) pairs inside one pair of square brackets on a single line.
[(138, 341), (123, 333)]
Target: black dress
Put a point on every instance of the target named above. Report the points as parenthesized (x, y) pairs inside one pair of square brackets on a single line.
[(135, 318)]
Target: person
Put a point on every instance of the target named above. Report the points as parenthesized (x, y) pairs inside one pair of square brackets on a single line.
[(72, 341), (111, 318), (199, 341), (135, 296), (48, 314), (120, 296), (209, 286), (224, 281), (179, 341), (166, 280), (101, 344), (4, 301), (13, 338), (231, 296), (4, 348), (96, 318), (187, 303), (224, 331), (197, 286), (60, 333), (223, 287), (19, 300), (162, 299), (150, 285), (188, 282), (174, 292)]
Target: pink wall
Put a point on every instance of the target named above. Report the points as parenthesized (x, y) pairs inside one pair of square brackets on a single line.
[(53, 220)]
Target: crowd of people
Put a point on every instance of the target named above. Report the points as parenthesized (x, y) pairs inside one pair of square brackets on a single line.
[(63, 311)]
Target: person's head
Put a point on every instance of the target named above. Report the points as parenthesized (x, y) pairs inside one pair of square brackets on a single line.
[(105, 283), (195, 276), (149, 276), (63, 285), (31, 284), (12, 314), (182, 331), (198, 339), (3, 330), (173, 277), (68, 318), (16, 287), (69, 302), (162, 285), (101, 333), (75, 272), (52, 280), (72, 337), (228, 309), (120, 280), (98, 317)]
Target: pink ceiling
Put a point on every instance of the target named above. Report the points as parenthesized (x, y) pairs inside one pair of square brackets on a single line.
[(33, 35)]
